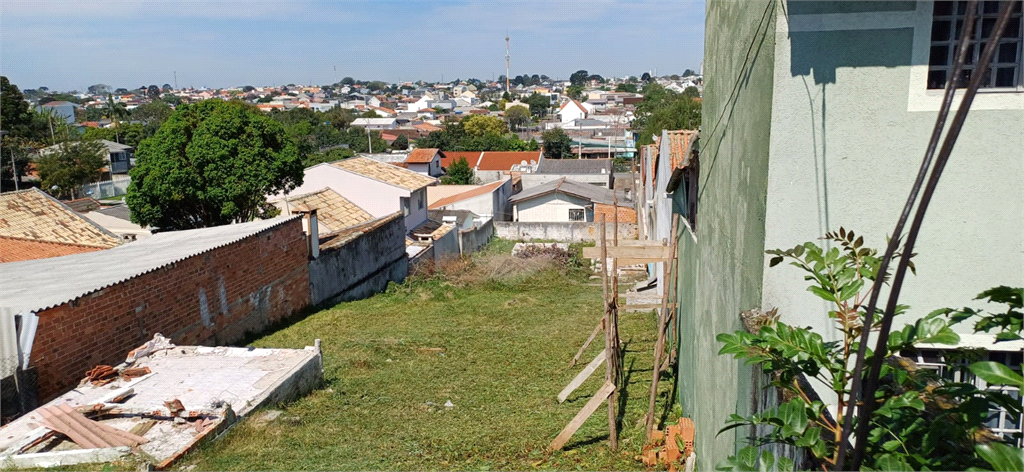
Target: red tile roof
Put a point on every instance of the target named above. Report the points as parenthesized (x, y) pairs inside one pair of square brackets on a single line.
[(17, 249), (493, 160), (421, 156), (449, 157), (483, 189)]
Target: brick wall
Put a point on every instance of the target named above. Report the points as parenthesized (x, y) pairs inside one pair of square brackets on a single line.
[(211, 298), (626, 214)]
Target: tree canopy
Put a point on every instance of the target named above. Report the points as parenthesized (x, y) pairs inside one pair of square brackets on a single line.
[(211, 163), (401, 143), (72, 164), (663, 109), (579, 77), (517, 117), (14, 111), (454, 137), (477, 126), (557, 144)]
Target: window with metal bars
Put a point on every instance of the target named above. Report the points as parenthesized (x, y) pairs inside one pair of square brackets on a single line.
[(949, 364), (1007, 66)]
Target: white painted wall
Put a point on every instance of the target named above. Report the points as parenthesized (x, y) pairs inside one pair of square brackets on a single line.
[(551, 207), (845, 153)]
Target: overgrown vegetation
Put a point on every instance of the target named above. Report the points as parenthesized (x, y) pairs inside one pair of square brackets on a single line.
[(923, 422), (492, 334)]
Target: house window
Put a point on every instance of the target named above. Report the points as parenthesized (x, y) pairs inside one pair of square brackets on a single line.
[(405, 205), (1006, 68), (419, 200), (576, 214), (950, 365)]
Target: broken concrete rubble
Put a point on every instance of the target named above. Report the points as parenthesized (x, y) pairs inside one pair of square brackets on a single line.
[(189, 395)]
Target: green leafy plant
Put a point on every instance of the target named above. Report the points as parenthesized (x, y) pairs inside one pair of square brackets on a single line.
[(921, 422)]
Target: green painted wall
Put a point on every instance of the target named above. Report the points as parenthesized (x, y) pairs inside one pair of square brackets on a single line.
[(720, 265)]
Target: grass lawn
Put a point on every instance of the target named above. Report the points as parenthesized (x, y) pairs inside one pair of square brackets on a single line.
[(498, 348)]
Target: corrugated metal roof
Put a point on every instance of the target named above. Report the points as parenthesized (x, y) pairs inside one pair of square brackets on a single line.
[(587, 191), (575, 166), (45, 283)]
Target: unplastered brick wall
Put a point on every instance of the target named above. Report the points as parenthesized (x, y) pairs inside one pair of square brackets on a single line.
[(626, 214), (216, 297)]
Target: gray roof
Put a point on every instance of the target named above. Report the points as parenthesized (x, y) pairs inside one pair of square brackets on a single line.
[(44, 283), (117, 211), (585, 191), (575, 166)]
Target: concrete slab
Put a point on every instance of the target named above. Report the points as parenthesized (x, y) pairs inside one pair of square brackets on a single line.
[(222, 383)]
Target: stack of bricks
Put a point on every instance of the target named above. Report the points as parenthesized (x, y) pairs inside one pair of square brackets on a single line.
[(664, 448), (626, 214), (215, 297)]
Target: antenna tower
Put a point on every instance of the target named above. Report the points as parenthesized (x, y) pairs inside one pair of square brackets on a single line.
[(507, 89)]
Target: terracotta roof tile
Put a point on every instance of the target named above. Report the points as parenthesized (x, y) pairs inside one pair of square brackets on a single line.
[(421, 156), (333, 211), (449, 157), (493, 160), (678, 144), (17, 249), (36, 216), (389, 174)]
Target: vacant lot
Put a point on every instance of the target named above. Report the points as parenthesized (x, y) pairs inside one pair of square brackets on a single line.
[(494, 338)]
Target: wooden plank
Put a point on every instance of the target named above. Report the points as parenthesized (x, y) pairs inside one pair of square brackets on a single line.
[(609, 337), (597, 329), (582, 376), (631, 252), (648, 306), (143, 427), (663, 315), (582, 416), (628, 261)]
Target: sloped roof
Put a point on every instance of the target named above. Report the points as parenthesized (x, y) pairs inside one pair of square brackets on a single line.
[(575, 166), (678, 145), (574, 102), (33, 215), (494, 160), (389, 174), (333, 211), (585, 191), (482, 190), (450, 157), (421, 156), (14, 249), (44, 283)]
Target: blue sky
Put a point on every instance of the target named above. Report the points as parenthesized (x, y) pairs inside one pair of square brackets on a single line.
[(70, 44)]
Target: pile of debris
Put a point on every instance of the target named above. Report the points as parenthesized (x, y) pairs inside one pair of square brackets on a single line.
[(672, 448), (162, 402)]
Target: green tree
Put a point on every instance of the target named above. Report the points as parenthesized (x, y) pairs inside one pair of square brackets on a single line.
[(327, 156), (579, 77), (348, 81), (626, 87), (152, 115), (517, 117), (19, 150), (645, 77), (153, 92), (539, 104), (401, 143), (70, 165), (481, 125), (574, 92), (663, 109), (459, 173), (557, 144), (211, 163), (171, 99), (14, 111), (129, 134)]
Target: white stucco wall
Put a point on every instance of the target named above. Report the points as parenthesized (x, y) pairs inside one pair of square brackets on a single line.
[(845, 151), (551, 207)]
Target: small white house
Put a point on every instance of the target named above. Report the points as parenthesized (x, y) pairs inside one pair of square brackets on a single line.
[(425, 161), (571, 111)]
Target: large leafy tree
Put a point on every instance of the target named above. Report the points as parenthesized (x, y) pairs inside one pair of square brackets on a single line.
[(517, 117), (14, 112), (539, 104), (663, 109), (481, 125), (557, 144), (71, 164), (579, 77), (211, 163)]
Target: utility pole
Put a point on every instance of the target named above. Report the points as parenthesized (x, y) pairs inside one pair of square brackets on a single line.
[(175, 80), (369, 140)]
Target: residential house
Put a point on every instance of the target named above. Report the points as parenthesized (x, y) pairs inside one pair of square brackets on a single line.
[(60, 108), (450, 157), (425, 161), (599, 172), (571, 111), (333, 211), (567, 201), (120, 157), (499, 165), (787, 154), (376, 123), (34, 225), (378, 188), (489, 200)]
